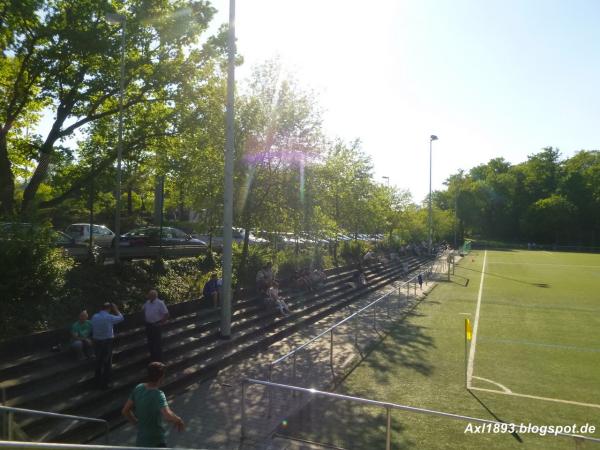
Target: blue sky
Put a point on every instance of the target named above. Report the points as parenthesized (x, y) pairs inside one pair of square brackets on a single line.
[(490, 78)]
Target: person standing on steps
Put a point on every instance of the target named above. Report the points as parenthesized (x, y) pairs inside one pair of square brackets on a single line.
[(155, 314), (420, 280), (103, 335), (147, 407)]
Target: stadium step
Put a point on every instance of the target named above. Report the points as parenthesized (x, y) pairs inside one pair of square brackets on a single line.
[(193, 351)]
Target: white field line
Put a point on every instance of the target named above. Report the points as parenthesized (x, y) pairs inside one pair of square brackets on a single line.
[(547, 253), (501, 386), (541, 344), (535, 397), (475, 325), (515, 263)]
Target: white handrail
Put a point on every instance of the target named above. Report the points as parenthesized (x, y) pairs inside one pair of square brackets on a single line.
[(53, 446), (328, 330), (33, 412), (389, 406)]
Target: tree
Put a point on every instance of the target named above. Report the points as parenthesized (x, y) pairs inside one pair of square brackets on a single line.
[(279, 136), (63, 56)]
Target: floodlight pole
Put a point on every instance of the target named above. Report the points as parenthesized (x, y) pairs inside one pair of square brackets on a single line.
[(432, 138), (119, 19), (228, 188)]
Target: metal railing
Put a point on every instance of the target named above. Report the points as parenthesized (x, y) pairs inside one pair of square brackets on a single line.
[(51, 446), (368, 313), (9, 412), (384, 405)]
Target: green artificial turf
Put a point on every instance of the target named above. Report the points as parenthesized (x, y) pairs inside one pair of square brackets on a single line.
[(538, 335)]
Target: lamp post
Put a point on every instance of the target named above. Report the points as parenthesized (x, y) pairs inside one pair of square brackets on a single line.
[(432, 138), (119, 19), (228, 188), (387, 179)]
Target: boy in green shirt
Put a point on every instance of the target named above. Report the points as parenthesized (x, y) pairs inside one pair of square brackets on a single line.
[(146, 408), (81, 333)]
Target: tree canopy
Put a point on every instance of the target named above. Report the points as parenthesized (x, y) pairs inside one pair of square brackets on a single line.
[(59, 92)]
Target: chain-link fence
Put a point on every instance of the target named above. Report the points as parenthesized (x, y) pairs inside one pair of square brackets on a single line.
[(327, 358), (345, 422)]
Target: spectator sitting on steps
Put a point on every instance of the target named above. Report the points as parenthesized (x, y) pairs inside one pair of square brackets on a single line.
[(369, 257), (264, 278), (81, 335), (358, 279), (273, 297), (211, 290), (318, 277)]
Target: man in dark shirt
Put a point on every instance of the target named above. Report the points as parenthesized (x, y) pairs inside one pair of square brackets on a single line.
[(211, 290)]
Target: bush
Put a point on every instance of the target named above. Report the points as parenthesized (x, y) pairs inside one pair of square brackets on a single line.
[(353, 251), (258, 257), (288, 261), (32, 281)]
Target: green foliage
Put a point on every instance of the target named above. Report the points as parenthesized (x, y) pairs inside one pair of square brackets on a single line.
[(32, 281), (258, 257), (288, 261), (543, 199), (353, 251)]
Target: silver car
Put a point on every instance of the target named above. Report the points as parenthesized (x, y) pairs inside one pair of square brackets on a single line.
[(81, 233)]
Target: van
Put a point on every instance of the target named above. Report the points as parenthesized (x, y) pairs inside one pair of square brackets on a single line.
[(103, 236)]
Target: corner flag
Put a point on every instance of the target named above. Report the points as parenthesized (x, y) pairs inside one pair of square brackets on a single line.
[(468, 330)]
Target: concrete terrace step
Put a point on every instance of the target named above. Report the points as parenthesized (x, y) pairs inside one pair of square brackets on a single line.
[(177, 343), (33, 362), (193, 351), (190, 324), (193, 368)]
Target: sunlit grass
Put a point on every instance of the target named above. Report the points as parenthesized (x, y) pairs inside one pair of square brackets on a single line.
[(537, 336)]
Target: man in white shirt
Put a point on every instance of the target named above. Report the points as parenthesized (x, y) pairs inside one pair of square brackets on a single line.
[(155, 315)]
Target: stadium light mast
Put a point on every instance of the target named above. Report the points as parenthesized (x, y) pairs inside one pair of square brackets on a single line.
[(228, 187), (432, 138), (119, 19)]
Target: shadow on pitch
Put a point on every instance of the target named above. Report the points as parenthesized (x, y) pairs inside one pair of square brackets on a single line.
[(341, 424), (491, 274), (461, 281), (514, 434)]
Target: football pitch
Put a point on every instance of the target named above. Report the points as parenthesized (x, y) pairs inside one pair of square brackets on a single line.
[(534, 359)]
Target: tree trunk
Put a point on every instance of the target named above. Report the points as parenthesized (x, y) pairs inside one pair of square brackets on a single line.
[(36, 180), (43, 163), (7, 180), (181, 203), (243, 270), (129, 200)]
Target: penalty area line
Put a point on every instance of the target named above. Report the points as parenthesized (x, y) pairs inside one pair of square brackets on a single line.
[(475, 325), (535, 397)]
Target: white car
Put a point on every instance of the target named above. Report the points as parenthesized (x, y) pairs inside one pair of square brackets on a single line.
[(237, 237), (81, 233)]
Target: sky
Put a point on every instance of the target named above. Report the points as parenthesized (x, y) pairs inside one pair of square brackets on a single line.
[(489, 78)]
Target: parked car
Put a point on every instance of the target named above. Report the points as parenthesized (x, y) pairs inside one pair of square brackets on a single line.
[(237, 237), (77, 250), (81, 233), (20, 230), (150, 236)]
